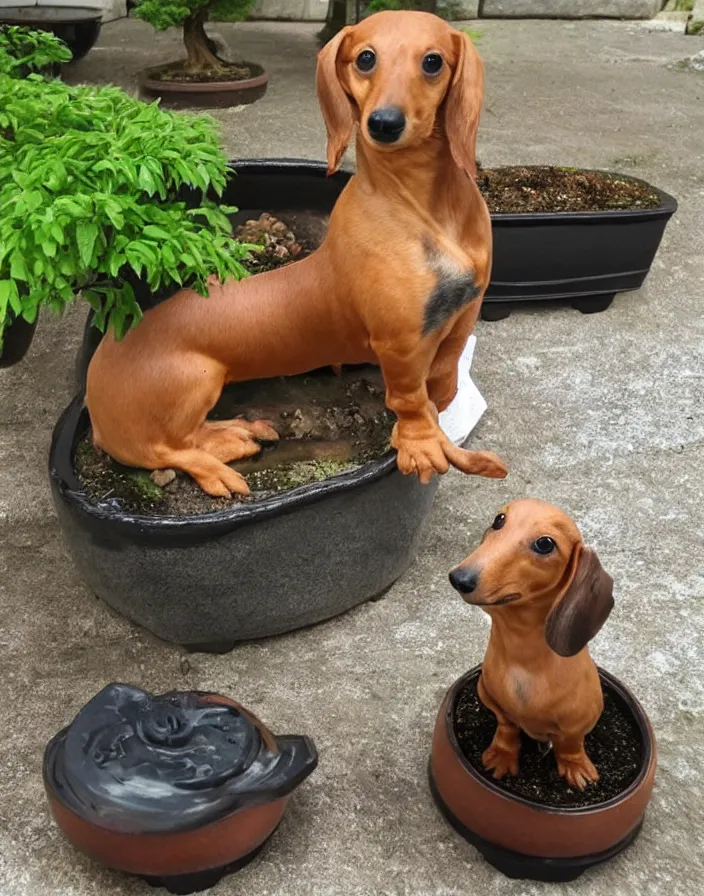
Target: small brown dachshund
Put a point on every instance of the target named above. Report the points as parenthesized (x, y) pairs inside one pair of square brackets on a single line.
[(547, 596), (398, 280)]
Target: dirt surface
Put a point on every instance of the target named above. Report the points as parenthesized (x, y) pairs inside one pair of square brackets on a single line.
[(278, 242), (614, 746), (328, 424), (228, 71), (546, 189)]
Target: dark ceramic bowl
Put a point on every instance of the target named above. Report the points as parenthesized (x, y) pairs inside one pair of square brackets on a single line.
[(77, 26), (212, 95), (16, 341), (213, 810), (254, 570), (529, 840)]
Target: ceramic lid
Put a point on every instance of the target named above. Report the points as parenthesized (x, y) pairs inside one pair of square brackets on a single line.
[(135, 762)]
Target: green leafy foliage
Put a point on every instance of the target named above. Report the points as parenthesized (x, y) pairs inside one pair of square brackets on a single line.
[(163, 14), (91, 187), (23, 51)]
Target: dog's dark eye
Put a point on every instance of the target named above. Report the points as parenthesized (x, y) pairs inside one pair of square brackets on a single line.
[(366, 61), (499, 521), (432, 63), (543, 545)]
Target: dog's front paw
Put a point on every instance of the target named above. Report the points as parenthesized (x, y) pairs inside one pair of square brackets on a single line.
[(501, 761), (424, 457), (578, 771)]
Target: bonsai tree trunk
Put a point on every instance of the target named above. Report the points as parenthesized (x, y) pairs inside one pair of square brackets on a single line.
[(200, 56), (336, 19)]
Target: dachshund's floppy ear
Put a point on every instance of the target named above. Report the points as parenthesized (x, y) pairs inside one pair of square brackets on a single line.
[(335, 104), (463, 104), (583, 608)]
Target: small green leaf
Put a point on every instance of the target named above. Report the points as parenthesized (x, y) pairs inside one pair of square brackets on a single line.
[(86, 235), (18, 268)]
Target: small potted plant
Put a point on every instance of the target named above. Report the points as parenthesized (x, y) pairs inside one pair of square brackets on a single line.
[(542, 761), (203, 78), (24, 51), (78, 26), (90, 204)]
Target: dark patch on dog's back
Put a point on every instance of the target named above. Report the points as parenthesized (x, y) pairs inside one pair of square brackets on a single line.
[(451, 293)]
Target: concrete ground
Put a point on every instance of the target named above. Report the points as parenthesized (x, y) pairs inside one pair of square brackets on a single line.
[(602, 415)]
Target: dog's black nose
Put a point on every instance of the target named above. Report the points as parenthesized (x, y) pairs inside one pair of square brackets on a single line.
[(464, 580), (386, 125)]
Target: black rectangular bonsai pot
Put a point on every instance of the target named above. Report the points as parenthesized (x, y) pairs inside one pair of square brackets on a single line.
[(580, 258), (207, 581)]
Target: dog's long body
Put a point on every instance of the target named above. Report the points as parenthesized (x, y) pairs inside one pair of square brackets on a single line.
[(547, 596), (398, 280)]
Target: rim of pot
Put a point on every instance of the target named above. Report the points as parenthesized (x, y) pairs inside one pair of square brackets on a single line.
[(668, 204), (635, 709), (74, 422)]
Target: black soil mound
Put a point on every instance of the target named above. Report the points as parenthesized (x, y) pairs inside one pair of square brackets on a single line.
[(547, 189)]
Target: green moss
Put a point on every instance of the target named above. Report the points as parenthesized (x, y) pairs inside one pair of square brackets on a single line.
[(296, 474)]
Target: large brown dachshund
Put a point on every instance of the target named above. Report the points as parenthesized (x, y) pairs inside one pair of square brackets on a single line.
[(547, 596), (398, 280)]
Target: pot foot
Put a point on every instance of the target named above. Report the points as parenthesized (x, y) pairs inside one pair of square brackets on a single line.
[(593, 304), (210, 647), (495, 311), (185, 884)]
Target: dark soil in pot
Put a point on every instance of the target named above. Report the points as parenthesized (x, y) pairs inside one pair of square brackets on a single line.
[(328, 425), (550, 189), (615, 746), (174, 73)]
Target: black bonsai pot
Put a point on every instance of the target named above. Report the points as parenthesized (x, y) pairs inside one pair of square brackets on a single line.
[(521, 837), (77, 26), (583, 258), (17, 339), (207, 581)]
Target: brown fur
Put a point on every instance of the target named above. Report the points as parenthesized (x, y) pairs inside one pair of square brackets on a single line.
[(360, 297), (537, 674)]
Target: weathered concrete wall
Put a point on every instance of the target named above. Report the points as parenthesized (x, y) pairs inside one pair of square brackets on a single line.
[(569, 9)]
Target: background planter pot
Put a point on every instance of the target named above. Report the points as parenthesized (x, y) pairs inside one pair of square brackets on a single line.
[(17, 339), (214, 94), (583, 258), (530, 840), (212, 812), (254, 570), (77, 26)]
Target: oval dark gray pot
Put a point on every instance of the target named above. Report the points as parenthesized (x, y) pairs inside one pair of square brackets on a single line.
[(208, 581)]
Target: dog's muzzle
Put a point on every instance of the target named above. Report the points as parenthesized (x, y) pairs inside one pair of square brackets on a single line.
[(386, 125)]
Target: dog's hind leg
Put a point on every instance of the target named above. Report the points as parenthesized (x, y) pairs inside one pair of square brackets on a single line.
[(229, 440), (211, 474)]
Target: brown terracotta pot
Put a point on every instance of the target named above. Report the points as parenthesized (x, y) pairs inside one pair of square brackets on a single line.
[(529, 840), (214, 94), (213, 813)]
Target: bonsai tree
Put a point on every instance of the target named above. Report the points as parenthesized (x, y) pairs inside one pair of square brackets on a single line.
[(93, 186), (191, 15)]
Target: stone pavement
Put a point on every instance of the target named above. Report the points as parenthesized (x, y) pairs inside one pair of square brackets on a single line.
[(601, 414)]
